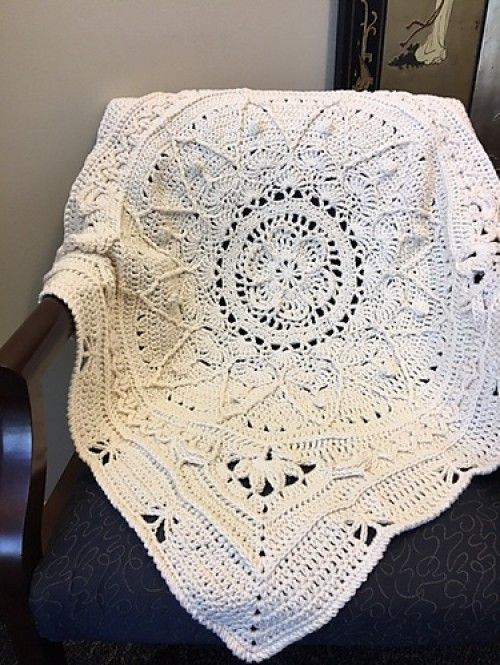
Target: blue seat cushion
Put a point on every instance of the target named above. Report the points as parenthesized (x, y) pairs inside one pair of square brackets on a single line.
[(436, 585)]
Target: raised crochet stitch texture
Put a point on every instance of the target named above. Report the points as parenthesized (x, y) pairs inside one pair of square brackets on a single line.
[(287, 310)]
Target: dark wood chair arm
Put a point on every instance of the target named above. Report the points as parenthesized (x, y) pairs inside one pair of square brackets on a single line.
[(23, 451), (31, 347)]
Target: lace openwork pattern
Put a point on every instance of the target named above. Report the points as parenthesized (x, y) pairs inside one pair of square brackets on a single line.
[(287, 309)]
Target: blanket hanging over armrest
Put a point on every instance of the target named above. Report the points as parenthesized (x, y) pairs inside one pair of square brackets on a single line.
[(287, 311)]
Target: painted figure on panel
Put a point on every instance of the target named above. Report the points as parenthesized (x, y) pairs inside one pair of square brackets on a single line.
[(431, 51)]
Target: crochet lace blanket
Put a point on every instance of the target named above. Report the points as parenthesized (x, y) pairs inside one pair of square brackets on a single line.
[(287, 310)]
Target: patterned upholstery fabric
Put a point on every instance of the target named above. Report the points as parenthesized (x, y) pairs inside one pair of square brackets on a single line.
[(437, 584)]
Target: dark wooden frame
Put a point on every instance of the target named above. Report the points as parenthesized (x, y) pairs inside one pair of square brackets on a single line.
[(25, 525), (485, 108), (365, 61)]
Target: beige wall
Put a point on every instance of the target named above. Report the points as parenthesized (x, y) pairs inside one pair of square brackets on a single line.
[(62, 60)]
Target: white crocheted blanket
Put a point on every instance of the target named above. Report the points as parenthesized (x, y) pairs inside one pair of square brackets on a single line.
[(287, 310)]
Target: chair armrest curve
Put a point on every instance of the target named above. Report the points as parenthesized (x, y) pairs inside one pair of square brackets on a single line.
[(30, 348), (23, 450)]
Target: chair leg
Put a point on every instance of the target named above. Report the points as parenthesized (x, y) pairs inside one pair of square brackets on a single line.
[(29, 647)]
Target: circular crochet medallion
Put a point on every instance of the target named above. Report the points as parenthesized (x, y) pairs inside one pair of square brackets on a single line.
[(288, 276), (284, 244)]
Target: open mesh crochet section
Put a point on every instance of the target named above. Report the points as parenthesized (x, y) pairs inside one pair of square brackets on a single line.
[(287, 310)]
